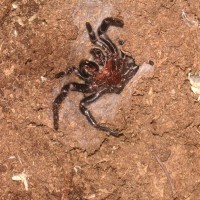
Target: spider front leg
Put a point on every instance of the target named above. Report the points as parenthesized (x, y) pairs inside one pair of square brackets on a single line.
[(60, 98), (86, 101), (106, 23), (93, 37), (98, 56)]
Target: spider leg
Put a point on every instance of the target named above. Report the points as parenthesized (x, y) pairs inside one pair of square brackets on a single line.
[(69, 71), (131, 68), (106, 23), (86, 101), (98, 56), (63, 94), (88, 68), (65, 73), (94, 39)]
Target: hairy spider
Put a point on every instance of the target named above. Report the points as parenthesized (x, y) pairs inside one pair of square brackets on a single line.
[(108, 73)]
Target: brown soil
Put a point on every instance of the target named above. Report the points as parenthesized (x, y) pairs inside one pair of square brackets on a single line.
[(159, 155)]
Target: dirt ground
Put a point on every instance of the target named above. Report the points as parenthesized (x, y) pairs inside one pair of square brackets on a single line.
[(158, 156)]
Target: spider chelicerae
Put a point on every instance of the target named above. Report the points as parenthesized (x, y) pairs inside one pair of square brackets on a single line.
[(108, 73)]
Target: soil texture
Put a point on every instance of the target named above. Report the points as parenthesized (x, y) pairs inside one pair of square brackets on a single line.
[(158, 155)]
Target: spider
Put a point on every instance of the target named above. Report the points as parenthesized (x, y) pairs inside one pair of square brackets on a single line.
[(108, 73)]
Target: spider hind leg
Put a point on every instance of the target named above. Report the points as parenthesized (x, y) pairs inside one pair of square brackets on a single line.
[(86, 101), (61, 97)]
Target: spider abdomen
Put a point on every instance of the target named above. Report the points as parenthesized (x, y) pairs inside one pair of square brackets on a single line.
[(110, 74)]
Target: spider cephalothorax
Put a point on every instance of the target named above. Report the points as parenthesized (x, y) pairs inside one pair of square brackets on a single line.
[(108, 73)]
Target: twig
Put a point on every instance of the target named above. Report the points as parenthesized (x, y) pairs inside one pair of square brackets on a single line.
[(167, 175), (22, 177)]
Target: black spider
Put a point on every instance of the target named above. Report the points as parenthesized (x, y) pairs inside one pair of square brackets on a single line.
[(110, 72)]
